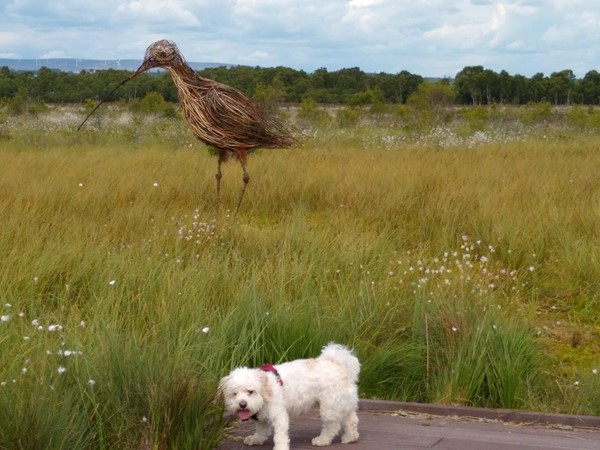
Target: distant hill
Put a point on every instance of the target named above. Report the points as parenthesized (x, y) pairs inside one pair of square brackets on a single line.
[(77, 65)]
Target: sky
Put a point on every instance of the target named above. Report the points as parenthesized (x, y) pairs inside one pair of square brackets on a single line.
[(432, 38)]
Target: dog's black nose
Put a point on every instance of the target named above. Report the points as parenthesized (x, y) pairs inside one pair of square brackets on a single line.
[(243, 404)]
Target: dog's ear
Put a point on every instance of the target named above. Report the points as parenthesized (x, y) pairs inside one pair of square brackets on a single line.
[(266, 387), (220, 388)]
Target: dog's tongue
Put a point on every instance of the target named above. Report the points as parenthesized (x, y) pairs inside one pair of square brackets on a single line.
[(243, 414)]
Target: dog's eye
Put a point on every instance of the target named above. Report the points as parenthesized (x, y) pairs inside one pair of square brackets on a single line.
[(250, 392)]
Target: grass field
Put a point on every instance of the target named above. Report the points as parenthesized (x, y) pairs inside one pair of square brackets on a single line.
[(463, 267)]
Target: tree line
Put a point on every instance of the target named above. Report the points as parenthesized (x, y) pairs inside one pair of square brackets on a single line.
[(473, 85)]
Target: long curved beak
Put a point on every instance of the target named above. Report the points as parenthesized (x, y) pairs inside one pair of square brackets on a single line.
[(146, 65)]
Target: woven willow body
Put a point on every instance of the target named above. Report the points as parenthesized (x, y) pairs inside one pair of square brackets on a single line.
[(223, 117), (217, 114)]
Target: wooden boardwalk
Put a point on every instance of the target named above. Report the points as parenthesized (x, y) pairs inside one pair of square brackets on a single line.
[(405, 426)]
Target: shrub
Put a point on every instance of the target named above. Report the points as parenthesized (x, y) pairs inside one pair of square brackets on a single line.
[(581, 117), (19, 103), (536, 113), (347, 117), (476, 117), (311, 115), (432, 97), (270, 96), (4, 132), (430, 102), (154, 103), (37, 108), (89, 105)]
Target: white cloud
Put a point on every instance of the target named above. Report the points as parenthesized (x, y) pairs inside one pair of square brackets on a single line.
[(54, 54), (256, 57), (10, 39), (363, 14), (173, 12), (428, 37)]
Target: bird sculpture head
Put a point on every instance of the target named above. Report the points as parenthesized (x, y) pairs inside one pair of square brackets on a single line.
[(161, 53)]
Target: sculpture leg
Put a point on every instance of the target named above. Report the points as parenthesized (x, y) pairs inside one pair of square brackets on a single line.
[(219, 175), (242, 157)]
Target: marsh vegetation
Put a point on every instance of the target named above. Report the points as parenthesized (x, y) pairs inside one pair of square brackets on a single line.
[(455, 249)]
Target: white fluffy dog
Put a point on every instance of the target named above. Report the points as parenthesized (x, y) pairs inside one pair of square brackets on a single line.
[(273, 394)]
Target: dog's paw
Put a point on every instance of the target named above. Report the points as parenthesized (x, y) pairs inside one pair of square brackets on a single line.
[(255, 439), (348, 438), (321, 441)]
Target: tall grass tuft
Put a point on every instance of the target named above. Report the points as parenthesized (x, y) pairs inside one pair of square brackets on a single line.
[(479, 358)]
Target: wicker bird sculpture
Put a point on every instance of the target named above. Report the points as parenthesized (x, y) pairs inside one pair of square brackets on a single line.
[(219, 115)]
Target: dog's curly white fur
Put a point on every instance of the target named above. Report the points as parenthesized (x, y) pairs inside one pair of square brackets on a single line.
[(329, 381)]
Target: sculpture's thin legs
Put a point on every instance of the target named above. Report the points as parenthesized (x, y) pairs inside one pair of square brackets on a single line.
[(219, 175), (242, 157)]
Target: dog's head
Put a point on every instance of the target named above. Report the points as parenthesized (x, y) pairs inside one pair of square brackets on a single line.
[(245, 391)]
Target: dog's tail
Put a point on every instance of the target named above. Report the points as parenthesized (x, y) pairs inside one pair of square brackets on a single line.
[(343, 357)]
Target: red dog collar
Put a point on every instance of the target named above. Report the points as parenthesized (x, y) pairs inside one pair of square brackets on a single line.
[(270, 368)]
